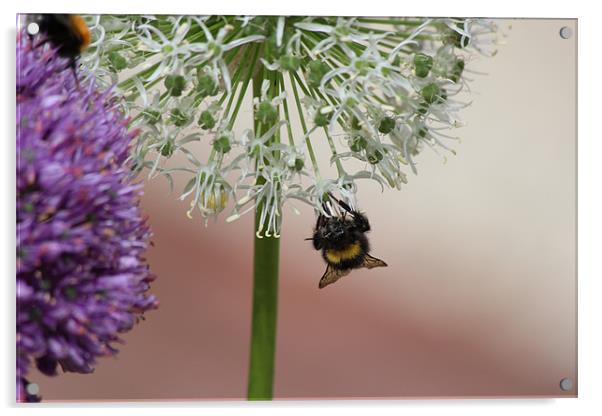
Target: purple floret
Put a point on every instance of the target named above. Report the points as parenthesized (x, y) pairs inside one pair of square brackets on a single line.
[(81, 275)]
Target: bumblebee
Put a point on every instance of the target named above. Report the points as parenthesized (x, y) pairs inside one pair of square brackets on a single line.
[(343, 242), (67, 32)]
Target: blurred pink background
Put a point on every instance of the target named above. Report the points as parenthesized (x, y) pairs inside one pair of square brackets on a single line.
[(479, 298)]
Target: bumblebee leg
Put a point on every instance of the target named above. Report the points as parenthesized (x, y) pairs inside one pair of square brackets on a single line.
[(317, 239), (361, 220), (341, 203), (74, 70)]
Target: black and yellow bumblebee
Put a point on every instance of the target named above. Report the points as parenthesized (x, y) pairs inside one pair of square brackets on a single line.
[(343, 242), (66, 32)]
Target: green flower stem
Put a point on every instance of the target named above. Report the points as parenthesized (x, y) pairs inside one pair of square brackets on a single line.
[(265, 305), (265, 298), (235, 80), (243, 90), (289, 129), (310, 149), (308, 91)]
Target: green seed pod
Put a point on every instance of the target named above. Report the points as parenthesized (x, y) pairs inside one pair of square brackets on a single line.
[(422, 64), (222, 145), (430, 93), (206, 120), (456, 71), (299, 164), (321, 119), (266, 113), (179, 118), (374, 157), (289, 62), (118, 61), (358, 144), (167, 149), (151, 115), (455, 38), (175, 84), (316, 72), (386, 125), (206, 85)]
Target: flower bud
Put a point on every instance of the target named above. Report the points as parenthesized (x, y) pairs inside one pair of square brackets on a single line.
[(179, 118), (456, 71), (206, 85), (455, 38), (289, 62), (222, 144), (422, 64), (175, 84), (316, 72), (386, 125), (322, 118), (151, 115), (206, 120), (358, 143), (374, 157), (430, 93), (167, 149), (298, 164)]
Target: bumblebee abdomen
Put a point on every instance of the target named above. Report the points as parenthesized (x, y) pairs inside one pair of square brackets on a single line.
[(348, 257), (81, 31)]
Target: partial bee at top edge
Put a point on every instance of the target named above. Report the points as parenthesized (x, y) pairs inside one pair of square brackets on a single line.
[(66, 32), (343, 242)]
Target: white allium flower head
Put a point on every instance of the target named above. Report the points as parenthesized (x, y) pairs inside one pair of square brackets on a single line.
[(378, 90)]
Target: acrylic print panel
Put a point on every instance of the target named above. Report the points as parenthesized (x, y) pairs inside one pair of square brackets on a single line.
[(478, 298)]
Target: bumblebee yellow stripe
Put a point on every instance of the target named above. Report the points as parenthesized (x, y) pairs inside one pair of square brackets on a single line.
[(337, 256), (80, 27)]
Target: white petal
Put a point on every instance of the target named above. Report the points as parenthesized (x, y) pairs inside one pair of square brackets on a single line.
[(314, 27), (156, 31), (279, 31), (242, 41)]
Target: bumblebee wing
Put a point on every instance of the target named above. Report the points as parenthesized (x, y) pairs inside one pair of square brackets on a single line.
[(372, 262), (331, 275)]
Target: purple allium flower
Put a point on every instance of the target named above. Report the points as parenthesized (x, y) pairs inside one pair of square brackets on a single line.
[(81, 275)]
